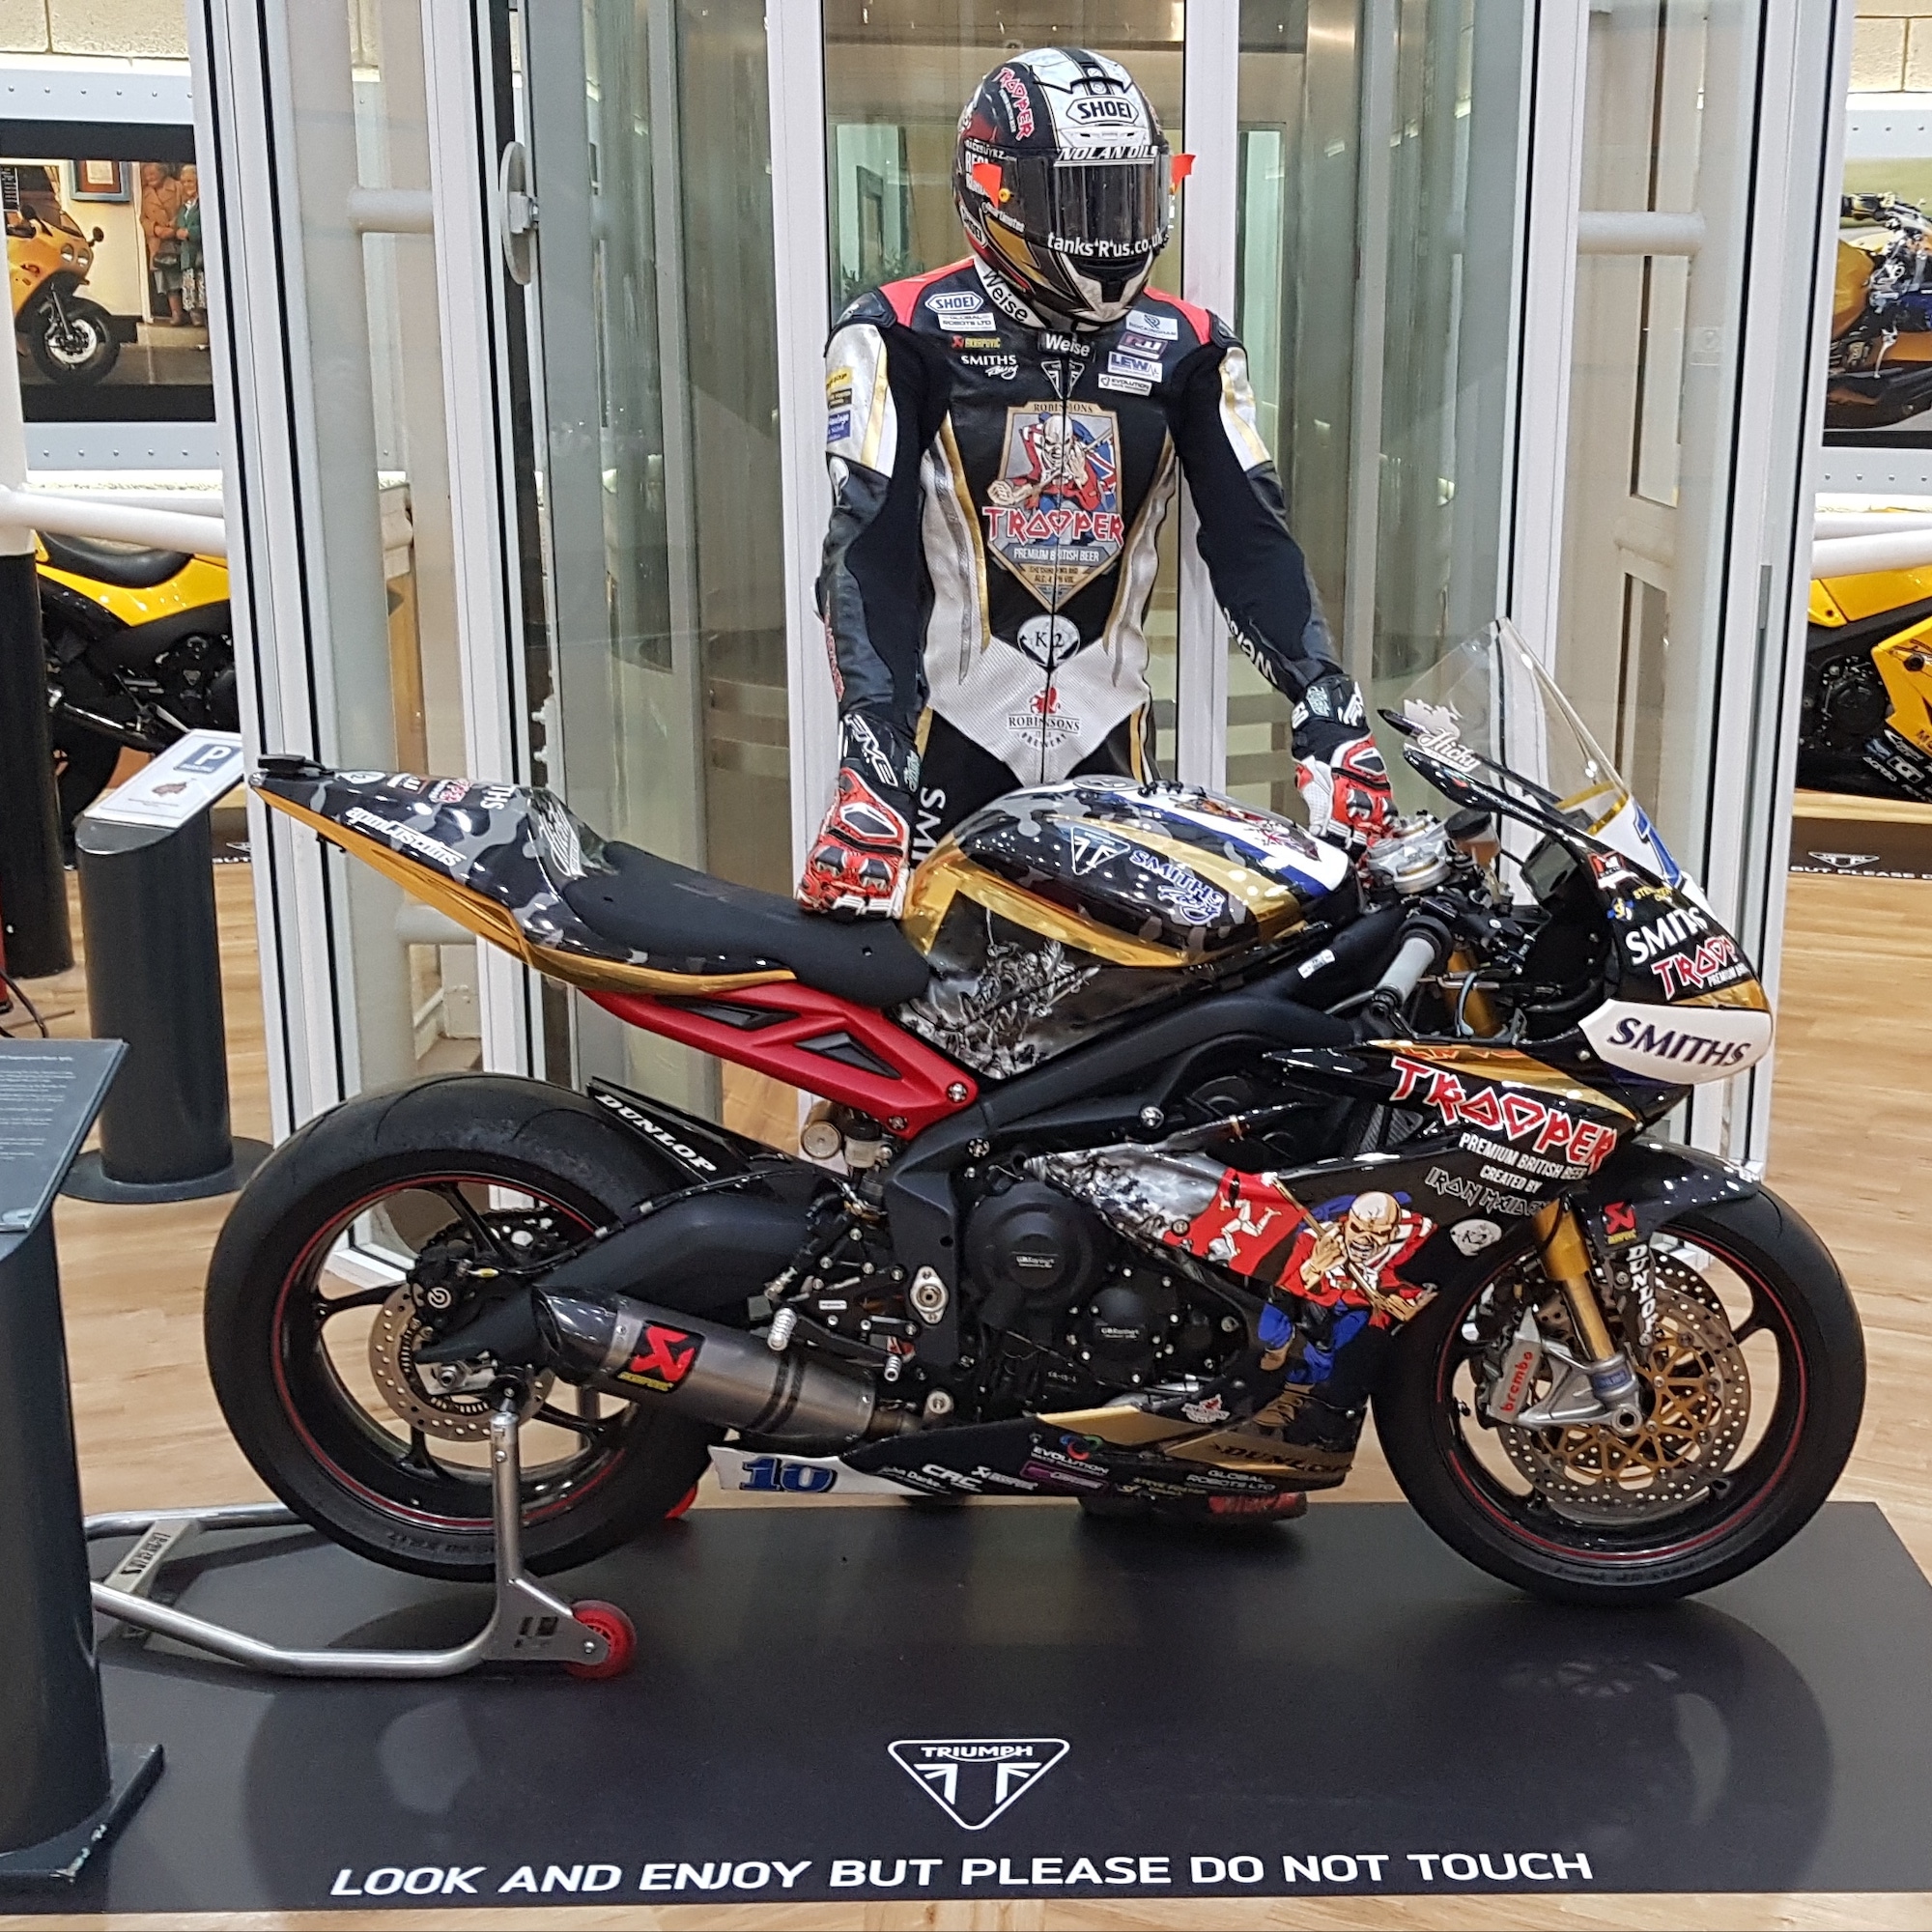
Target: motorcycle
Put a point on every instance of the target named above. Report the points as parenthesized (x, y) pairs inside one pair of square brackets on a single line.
[(1879, 366), (1865, 716), (140, 650), (1172, 1143), (70, 337)]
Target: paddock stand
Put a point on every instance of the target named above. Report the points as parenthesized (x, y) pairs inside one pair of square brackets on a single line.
[(528, 1624)]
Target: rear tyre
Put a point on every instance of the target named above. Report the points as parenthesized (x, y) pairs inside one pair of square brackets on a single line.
[(1753, 1398), (313, 1366)]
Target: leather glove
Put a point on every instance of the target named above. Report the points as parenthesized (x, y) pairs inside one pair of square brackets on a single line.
[(1338, 767), (859, 864), (1348, 792)]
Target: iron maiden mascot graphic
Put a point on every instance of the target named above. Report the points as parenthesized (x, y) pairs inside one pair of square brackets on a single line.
[(1328, 1279)]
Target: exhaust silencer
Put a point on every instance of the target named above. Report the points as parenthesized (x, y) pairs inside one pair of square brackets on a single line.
[(716, 1375)]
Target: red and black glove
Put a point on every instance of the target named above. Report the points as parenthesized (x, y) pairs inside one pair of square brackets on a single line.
[(1347, 793), (860, 862), (1339, 767)]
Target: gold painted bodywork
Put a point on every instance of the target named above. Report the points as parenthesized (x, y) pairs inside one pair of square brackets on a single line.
[(1253, 1447), (1747, 995), (948, 875), (484, 917)]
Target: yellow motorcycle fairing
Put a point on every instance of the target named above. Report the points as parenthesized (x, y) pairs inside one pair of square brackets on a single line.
[(1838, 601), (201, 579), (34, 259), (1905, 664)]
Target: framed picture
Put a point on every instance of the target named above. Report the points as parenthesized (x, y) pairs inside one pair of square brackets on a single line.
[(101, 180)]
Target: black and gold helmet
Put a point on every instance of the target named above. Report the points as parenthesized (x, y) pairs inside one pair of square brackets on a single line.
[(1064, 182)]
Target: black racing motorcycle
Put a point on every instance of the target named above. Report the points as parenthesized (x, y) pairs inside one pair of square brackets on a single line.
[(1167, 1141)]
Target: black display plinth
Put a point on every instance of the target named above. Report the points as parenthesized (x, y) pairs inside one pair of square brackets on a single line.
[(153, 980), (61, 1796), (1338, 1707)]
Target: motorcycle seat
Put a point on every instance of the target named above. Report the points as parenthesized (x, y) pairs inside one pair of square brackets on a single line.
[(130, 566), (657, 907)]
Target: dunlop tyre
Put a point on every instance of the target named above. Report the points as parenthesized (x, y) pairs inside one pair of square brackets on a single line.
[(1822, 1349)]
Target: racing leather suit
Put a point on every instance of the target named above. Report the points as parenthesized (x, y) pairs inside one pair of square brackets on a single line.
[(998, 493)]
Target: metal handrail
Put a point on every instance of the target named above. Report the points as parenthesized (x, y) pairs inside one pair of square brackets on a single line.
[(116, 523)]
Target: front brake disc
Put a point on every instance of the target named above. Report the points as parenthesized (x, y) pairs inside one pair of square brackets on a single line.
[(1696, 1399)]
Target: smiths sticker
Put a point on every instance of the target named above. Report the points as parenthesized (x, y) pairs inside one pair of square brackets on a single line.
[(1053, 516), (664, 1357)]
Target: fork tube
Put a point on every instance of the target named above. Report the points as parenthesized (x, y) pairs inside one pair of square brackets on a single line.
[(1567, 1263)]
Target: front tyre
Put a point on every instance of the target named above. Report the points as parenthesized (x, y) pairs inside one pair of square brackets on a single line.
[(73, 344), (1754, 1386), (317, 1287)]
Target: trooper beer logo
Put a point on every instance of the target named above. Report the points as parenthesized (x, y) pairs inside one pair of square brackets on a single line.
[(1053, 515), (973, 1779)]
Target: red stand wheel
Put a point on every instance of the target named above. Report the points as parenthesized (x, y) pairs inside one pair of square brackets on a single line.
[(615, 1629)]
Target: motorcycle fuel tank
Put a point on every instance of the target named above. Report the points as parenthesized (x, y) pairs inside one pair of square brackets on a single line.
[(1154, 875), (1052, 914)]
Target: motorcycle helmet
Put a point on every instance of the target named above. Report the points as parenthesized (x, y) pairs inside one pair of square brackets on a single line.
[(1064, 182)]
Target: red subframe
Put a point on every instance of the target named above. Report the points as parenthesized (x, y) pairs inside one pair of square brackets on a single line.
[(920, 1096)]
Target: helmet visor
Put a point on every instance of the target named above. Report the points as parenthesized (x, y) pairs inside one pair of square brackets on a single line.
[(1099, 211)]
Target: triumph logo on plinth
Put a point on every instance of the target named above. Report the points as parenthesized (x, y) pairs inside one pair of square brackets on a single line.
[(973, 1779)]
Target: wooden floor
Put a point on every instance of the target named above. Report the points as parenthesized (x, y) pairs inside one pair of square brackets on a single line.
[(1853, 1124)]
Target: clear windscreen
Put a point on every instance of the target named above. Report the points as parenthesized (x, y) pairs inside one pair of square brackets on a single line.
[(1488, 718)]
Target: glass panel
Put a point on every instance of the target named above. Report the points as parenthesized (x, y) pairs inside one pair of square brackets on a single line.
[(1378, 166), (896, 78), (1647, 490), (1453, 120), (1295, 312), (663, 528), (412, 456)]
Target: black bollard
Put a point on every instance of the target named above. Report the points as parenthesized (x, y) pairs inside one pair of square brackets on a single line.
[(34, 936), (63, 1790), (154, 978)]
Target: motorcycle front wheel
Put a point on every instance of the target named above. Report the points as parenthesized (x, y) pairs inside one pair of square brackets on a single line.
[(314, 1296), (73, 344), (1753, 1386)]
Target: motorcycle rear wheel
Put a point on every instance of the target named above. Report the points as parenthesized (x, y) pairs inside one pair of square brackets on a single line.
[(374, 1459), (1786, 1288)]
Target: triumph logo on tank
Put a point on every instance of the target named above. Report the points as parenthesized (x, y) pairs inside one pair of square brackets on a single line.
[(973, 1779), (1053, 514)]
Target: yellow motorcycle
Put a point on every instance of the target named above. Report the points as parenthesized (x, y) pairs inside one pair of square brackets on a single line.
[(71, 338), (1866, 723), (140, 650)]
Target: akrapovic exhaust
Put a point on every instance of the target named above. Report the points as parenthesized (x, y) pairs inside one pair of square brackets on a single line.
[(719, 1375)]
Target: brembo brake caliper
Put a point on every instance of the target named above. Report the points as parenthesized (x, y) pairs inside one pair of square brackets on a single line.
[(1597, 1386)]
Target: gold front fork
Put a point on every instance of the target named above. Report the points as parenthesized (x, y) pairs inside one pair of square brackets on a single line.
[(1566, 1260)]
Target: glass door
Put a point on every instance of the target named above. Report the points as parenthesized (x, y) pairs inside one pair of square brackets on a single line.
[(655, 390), (896, 80)]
